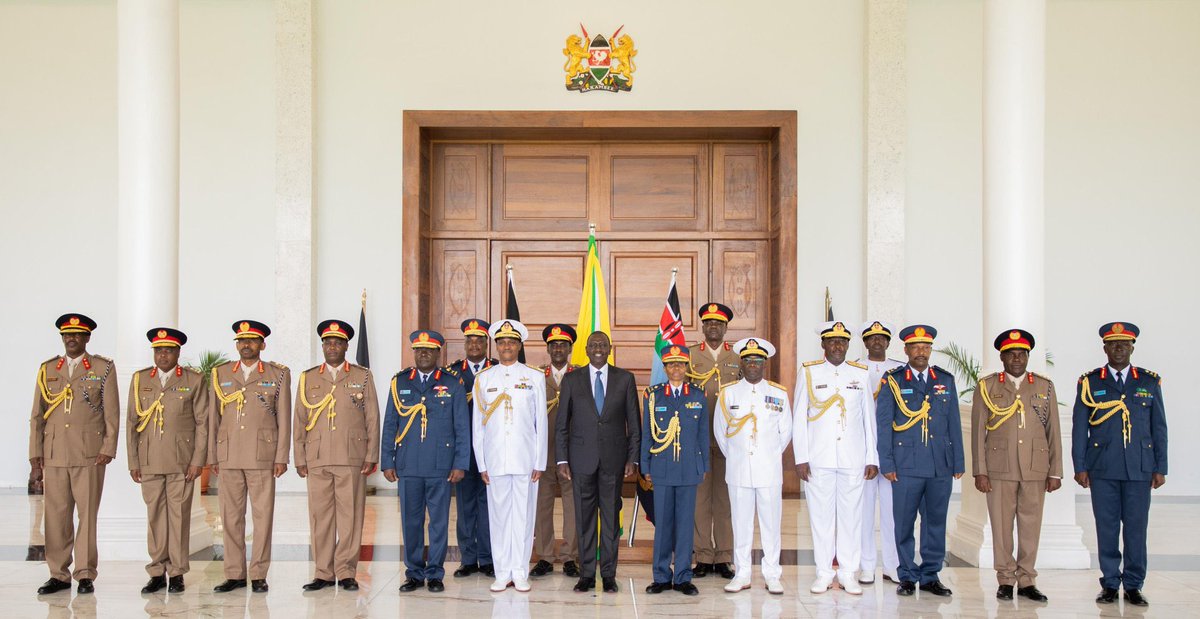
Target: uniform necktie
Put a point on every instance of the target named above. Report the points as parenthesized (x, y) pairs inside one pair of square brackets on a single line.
[(921, 381), (1121, 380), (424, 379), (598, 393)]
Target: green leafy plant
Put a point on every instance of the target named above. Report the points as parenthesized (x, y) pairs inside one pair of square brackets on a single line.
[(965, 367), (209, 359)]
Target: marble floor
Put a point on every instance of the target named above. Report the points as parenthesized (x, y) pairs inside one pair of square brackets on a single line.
[(1173, 585)]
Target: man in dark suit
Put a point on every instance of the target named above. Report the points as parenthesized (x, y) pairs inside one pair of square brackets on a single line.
[(598, 443)]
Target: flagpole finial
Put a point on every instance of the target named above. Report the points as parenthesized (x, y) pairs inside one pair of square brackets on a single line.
[(508, 267), (364, 298), (591, 227), (674, 270)]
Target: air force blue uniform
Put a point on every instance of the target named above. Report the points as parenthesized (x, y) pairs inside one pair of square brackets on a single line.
[(925, 457), (1120, 454), (474, 538), (423, 448), (675, 473)]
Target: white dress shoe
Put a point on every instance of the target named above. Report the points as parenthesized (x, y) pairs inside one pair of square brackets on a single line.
[(866, 578), (774, 586), (522, 585), (891, 575), (498, 585), (737, 584), (849, 586), (821, 584)]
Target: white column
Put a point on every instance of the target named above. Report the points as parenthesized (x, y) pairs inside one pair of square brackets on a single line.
[(147, 239), (1014, 75)]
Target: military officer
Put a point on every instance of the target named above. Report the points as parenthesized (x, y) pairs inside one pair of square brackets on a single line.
[(249, 434), (921, 452), (674, 458), (1016, 457), (1119, 448), (167, 440), (713, 364), (336, 440), (511, 438), (426, 457), (471, 528), (559, 338), (876, 336), (72, 436), (753, 428), (834, 443)]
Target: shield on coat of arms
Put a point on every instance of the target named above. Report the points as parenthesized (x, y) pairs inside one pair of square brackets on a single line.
[(599, 58)]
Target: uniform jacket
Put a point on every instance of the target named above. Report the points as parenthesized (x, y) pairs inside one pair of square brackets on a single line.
[(833, 439), (351, 436), (446, 444), (259, 436), (181, 440), (1011, 452), (911, 451), (1101, 450), (691, 408), (91, 428), (513, 439), (754, 455), (588, 440), (729, 370), (462, 369)]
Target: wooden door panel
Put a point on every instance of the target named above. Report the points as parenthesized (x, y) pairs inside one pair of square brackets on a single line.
[(740, 187), (739, 280), (548, 277), (655, 187), (459, 274), (460, 187), (544, 186)]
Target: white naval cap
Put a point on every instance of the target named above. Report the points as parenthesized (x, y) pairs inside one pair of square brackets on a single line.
[(832, 328), (754, 346), (877, 327), (508, 328)]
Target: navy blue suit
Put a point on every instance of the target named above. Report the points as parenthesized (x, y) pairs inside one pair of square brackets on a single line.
[(925, 463), (674, 480), (1119, 470), (423, 459), (474, 536)]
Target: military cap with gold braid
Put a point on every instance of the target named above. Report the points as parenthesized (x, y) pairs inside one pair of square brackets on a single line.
[(673, 354), (75, 323), (161, 337), (243, 329), (1120, 331), (833, 328), (475, 326), (716, 311), (423, 338), (918, 334), (1014, 338), (754, 347), (335, 328), (559, 332), (876, 327), (508, 328)]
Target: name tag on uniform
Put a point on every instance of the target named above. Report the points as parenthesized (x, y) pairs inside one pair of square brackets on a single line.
[(821, 387), (51, 379), (227, 383), (491, 389), (405, 391), (734, 407), (661, 409), (1101, 392), (147, 389), (906, 392)]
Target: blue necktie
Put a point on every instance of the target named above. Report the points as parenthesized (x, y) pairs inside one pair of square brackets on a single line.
[(598, 393), (921, 381), (1121, 381)]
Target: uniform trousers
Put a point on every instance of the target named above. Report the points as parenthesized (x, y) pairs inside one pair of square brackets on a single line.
[(420, 496), (234, 487), (878, 490), (674, 526), (835, 515), (543, 532), (713, 541), (169, 523), (1022, 501), (67, 488), (768, 502), (1122, 511), (473, 532), (336, 503), (512, 506), (931, 497)]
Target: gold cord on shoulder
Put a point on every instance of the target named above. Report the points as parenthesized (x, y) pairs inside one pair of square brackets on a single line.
[(238, 396), (409, 412), (921, 415), (328, 403), (52, 400), (1112, 406), (154, 413), (1001, 415), (734, 425), (823, 405), (663, 438), (489, 408)]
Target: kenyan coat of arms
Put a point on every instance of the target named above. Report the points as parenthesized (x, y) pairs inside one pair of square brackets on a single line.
[(599, 63)]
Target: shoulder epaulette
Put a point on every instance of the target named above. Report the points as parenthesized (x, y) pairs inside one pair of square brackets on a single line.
[(481, 371), (145, 369), (895, 370), (450, 370), (1090, 372), (809, 364), (361, 367), (193, 370), (225, 364), (315, 367), (280, 366), (100, 357), (1150, 373), (54, 358), (404, 371), (857, 365), (776, 385), (533, 367), (732, 382)]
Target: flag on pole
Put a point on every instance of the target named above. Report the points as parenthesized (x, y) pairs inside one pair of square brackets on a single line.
[(593, 306), (362, 355), (670, 331), (511, 311), (828, 305)]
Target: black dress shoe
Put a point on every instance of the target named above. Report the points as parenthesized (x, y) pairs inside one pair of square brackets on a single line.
[(585, 584), (348, 584), (610, 585), (906, 588), (1133, 596), (658, 587), (85, 586), (317, 584), (937, 588), (1031, 592), (1005, 592), (541, 568), (259, 586), (466, 570), (687, 588), (230, 585), (53, 585), (724, 570), (411, 584), (701, 570), (488, 570), (155, 584), (176, 584), (435, 585), (570, 569), (1107, 596)]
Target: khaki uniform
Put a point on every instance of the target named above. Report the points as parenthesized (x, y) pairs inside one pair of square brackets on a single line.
[(713, 540), (166, 432), (1017, 456), (543, 532), (68, 437), (246, 444), (334, 438)]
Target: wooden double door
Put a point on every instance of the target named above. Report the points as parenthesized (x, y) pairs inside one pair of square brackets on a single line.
[(702, 207)]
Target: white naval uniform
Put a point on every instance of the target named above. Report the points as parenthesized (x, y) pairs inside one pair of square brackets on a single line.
[(837, 445), (754, 468), (878, 489), (509, 448)]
